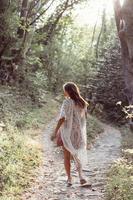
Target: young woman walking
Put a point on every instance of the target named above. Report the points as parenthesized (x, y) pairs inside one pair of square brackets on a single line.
[(70, 132)]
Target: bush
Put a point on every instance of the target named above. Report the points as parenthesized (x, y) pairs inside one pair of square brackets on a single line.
[(18, 159), (120, 182), (120, 185)]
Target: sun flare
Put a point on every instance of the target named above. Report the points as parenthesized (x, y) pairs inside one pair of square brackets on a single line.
[(89, 12)]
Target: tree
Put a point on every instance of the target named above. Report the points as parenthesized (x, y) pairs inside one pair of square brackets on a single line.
[(124, 23), (4, 36), (20, 22)]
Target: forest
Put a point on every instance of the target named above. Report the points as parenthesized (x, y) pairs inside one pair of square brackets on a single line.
[(43, 44)]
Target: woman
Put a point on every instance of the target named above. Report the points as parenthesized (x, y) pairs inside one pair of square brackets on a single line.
[(72, 129)]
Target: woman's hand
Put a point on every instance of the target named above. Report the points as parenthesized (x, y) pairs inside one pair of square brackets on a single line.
[(53, 137), (60, 122)]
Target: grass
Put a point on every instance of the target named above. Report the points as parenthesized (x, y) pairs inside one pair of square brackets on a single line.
[(20, 150), (120, 181), (36, 117), (94, 128), (18, 160)]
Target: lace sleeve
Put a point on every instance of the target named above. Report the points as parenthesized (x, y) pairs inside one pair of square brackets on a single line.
[(65, 108), (86, 111)]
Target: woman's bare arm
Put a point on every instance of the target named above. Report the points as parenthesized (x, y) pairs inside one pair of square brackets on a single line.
[(86, 114), (60, 122)]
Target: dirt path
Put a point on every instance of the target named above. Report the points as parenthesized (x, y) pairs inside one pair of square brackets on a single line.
[(51, 182)]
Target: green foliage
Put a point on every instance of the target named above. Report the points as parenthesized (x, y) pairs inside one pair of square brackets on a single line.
[(94, 128), (20, 149), (109, 82), (18, 108), (39, 116), (18, 157), (40, 58), (120, 184), (54, 50), (120, 177), (127, 138)]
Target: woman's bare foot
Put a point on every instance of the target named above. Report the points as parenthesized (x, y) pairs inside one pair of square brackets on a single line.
[(69, 182), (84, 183)]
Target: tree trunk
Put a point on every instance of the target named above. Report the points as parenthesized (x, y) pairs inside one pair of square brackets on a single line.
[(23, 14), (124, 22)]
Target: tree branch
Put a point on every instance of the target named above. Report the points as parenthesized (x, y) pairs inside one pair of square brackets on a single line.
[(94, 30), (41, 13), (99, 36)]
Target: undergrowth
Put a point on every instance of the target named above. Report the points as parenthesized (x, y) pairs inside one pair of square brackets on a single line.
[(18, 159), (120, 181), (94, 128), (38, 117), (20, 149)]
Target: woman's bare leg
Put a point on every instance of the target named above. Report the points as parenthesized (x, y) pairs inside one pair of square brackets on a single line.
[(79, 168), (67, 163)]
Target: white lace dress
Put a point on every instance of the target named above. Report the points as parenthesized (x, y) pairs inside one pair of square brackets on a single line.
[(73, 130)]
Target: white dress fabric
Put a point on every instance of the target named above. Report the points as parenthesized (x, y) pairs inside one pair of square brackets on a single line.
[(73, 131)]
